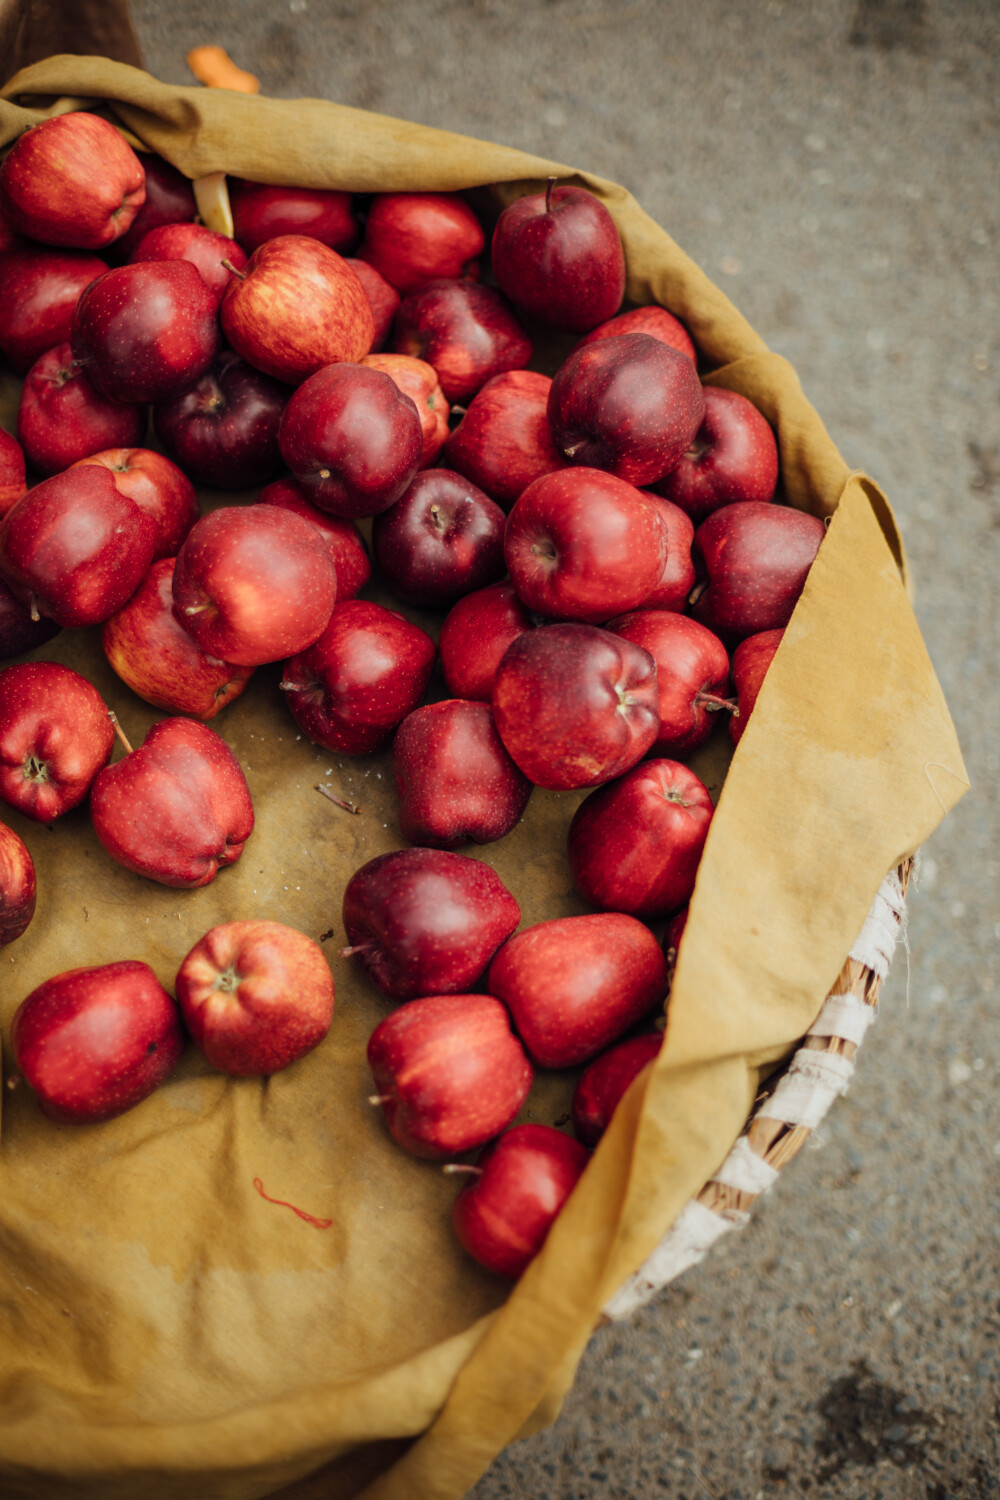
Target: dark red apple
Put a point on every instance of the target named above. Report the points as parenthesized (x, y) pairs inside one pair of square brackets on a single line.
[(352, 439), (146, 332), (692, 675), (466, 331), (9, 239), (503, 1215), (475, 635), (153, 654), (584, 545), (425, 921), (503, 441), (751, 661), (72, 180), (442, 539), (169, 200), (606, 1081), (206, 250), (733, 457), (413, 238), (61, 418), (655, 321), (574, 985), (262, 211), (634, 846), (18, 886), (224, 428), (677, 578), (39, 290), (366, 672), (297, 307), (55, 735), (419, 380), (158, 487), (575, 705), (751, 560), (559, 256), (94, 1042), (454, 779), (630, 405), (343, 539), (18, 631), (256, 996), (13, 483), (176, 809), (449, 1074), (383, 298)]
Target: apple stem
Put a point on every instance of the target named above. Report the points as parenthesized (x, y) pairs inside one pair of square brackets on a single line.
[(337, 801), (379, 1098), (548, 194), (195, 609), (357, 948), (230, 267), (120, 732), (33, 608), (697, 592), (453, 1168), (13, 1080), (713, 703), (573, 448)]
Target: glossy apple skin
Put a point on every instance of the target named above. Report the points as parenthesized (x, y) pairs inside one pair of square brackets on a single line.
[(475, 636), (39, 290), (298, 307), (443, 538), (146, 332), (559, 256), (753, 558), (503, 442), (574, 985), (169, 200), (13, 483), (733, 457), (72, 180), (153, 654), (413, 238), (584, 545), (502, 1217), (450, 1074), (692, 673), (454, 779), (655, 321), (344, 541), (630, 405), (678, 576), (367, 671), (419, 380), (18, 631), (61, 418), (158, 487), (177, 809), (261, 212), (18, 886), (383, 299), (94, 1042), (256, 996), (468, 332), (751, 661), (426, 921), (55, 735), (75, 548), (634, 846), (352, 439), (198, 244), (575, 705), (254, 584), (605, 1083), (223, 429)]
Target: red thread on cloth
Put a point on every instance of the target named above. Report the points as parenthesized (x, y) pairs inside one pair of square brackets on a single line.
[(309, 1218)]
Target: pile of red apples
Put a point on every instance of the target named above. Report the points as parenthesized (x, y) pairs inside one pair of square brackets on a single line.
[(596, 544)]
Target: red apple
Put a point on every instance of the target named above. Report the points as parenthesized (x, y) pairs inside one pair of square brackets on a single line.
[(176, 809), (17, 886), (751, 560), (751, 661), (425, 921), (467, 332), (575, 705), (61, 418), (475, 636), (198, 244), (503, 441), (630, 405), (146, 332), (383, 299), (74, 548), (450, 1076), (297, 307), (454, 779), (503, 1215), (733, 457), (261, 212), (9, 240), (169, 200), (153, 654), (692, 675), (224, 428), (366, 672), (442, 539), (419, 380), (584, 545), (12, 475), (39, 290), (352, 439), (678, 576), (655, 321), (158, 487), (55, 735), (256, 996), (413, 238), (558, 256), (606, 1081), (343, 539), (72, 180), (634, 846), (18, 631), (254, 584), (94, 1042), (574, 985)]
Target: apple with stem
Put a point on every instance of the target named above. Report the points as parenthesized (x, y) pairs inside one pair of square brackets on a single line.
[(158, 487), (692, 675), (18, 631), (223, 429), (61, 418), (443, 538), (420, 382), (55, 735), (732, 457), (558, 256)]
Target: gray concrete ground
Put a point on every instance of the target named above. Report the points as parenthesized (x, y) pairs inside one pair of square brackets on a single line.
[(836, 167)]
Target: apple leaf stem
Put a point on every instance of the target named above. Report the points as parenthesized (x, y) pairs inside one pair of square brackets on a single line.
[(119, 732), (713, 703), (337, 801), (453, 1168)]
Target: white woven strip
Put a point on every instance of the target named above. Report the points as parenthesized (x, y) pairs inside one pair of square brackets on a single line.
[(877, 939), (691, 1236), (744, 1170), (846, 1016), (806, 1091)]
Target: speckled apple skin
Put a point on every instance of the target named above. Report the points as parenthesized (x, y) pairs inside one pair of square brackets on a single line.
[(733, 457), (413, 238), (678, 578), (420, 382), (13, 482), (39, 290), (262, 212), (690, 660), (442, 539), (62, 419), (72, 180), (605, 1082), (454, 779), (655, 321), (383, 299), (158, 487), (203, 247), (475, 636), (55, 735), (94, 1042), (559, 256), (751, 661), (466, 331), (18, 886), (343, 540), (504, 442), (753, 558)]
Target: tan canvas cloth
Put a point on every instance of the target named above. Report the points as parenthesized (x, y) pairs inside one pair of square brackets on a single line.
[(164, 1330)]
